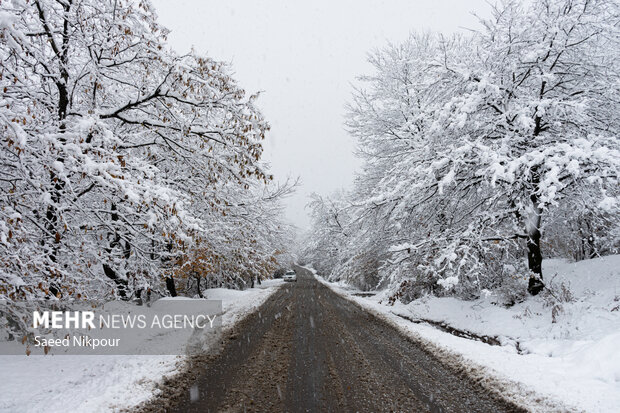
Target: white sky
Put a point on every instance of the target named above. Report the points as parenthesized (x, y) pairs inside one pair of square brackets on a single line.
[(304, 55)]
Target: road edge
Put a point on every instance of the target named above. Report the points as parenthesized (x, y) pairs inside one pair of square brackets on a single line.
[(168, 389), (512, 391)]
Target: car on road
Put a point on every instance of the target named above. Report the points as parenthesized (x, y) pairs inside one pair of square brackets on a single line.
[(290, 276)]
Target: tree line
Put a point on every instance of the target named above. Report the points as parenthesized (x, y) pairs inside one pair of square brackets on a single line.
[(126, 168), (481, 154)]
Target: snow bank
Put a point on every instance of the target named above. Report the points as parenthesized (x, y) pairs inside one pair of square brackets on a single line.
[(80, 383), (105, 383), (237, 304), (570, 353)]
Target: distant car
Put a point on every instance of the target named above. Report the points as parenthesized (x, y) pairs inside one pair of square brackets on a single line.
[(290, 276)]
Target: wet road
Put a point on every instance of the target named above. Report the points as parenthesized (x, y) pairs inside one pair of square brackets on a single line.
[(310, 350)]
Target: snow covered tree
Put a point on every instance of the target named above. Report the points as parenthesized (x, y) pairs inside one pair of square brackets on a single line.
[(117, 154), (469, 142), (536, 113), (328, 236), (248, 240)]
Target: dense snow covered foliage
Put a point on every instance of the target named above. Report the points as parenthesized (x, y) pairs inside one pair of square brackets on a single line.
[(482, 153), (124, 164)]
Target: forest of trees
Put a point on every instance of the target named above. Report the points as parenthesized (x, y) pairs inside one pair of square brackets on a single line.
[(482, 154), (126, 168)]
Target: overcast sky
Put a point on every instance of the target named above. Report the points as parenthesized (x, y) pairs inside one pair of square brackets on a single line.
[(304, 57)]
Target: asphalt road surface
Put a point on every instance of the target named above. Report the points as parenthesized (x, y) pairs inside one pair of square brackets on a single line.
[(309, 350)]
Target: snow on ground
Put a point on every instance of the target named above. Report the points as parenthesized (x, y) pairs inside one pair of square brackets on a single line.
[(574, 359), (105, 383), (237, 304)]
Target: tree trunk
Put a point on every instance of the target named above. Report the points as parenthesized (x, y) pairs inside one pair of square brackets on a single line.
[(534, 262), (592, 246), (534, 255), (121, 284), (170, 286), (198, 286), (52, 224)]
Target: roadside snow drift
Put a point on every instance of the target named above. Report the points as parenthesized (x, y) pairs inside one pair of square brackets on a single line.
[(105, 383)]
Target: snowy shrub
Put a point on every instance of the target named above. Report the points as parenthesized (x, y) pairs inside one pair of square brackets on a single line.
[(512, 290), (581, 232), (558, 292), (361, 271)]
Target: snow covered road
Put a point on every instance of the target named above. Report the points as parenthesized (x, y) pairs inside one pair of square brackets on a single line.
[(308, 349)]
